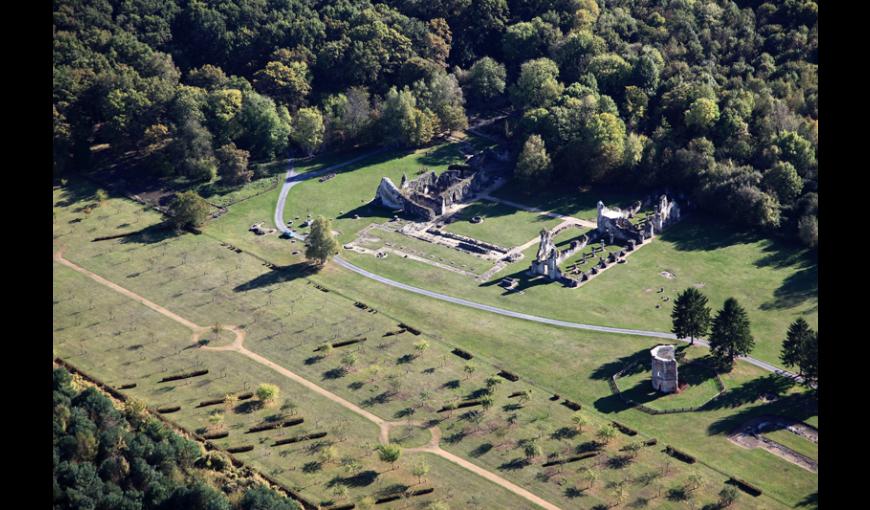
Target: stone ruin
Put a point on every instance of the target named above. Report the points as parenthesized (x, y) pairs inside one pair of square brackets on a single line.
[(549, 257), (664, 369), (614, 223), (430, 195)]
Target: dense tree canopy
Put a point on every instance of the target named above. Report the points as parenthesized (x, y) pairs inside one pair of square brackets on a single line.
[(127, 460), (717, 99)]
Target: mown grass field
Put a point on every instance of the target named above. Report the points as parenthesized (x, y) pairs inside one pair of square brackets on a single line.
[(502, 225), (121, 342), (795, 442), (774, 282), (579, 203), (378, 238), (286, 319), (585, 361)]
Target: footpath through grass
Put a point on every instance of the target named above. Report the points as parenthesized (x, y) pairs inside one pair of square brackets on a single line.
[(286, 319)]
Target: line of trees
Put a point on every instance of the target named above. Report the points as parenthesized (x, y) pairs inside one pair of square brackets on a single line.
[(730, 335), (729, 330)]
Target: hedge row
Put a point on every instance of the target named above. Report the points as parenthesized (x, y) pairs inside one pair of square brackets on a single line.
[(127, 386), (206, 403), (365, 307), (409, 494), (411, 330), (297, 439), (574, 406), (240, 449), (677, 454), (271, 426), (216, 435), (509, 376), (462, 354), (625, 430), (168, 409), (319, 287), (349, 342), (571, 459), (461, 405), (745, 486), (188, 375)]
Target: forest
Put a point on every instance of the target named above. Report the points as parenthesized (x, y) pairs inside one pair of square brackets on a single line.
[(106, 458), (716, 100)]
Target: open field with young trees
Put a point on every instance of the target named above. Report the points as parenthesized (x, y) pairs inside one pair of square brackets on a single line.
[(344, 388), (286, 318)]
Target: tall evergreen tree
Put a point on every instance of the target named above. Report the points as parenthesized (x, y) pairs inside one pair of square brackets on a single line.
[(796, 342), (730, 336), (321, 243), (691, 315)]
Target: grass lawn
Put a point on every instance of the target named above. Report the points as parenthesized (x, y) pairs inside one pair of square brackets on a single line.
[(578, 203), (586, 360), (502, 225), (797, 443), (637, 385), (340, 198), (286, 318), (436, 252), (776, 283), (408, 436)]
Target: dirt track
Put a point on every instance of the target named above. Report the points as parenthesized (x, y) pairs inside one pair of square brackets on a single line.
[(384, 426)]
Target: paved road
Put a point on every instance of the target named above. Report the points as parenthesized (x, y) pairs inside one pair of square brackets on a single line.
[(293, 178)]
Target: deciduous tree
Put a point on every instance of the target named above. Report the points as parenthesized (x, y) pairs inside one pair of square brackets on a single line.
[(321, 243)]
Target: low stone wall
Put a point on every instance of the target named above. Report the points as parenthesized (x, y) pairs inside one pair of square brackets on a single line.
[(466, 239)]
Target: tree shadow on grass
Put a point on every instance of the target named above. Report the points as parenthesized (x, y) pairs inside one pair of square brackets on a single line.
[(795, 406), (280, 275), (76, 190), (769, 386), (248, 407), (514, 465), (811, 501), (701, 232), (334, 373), (638, 362), (564, 433), (573, 493), (611, 404), (441, 155), (151, 234), (481, 450), (362, 479), (798, 287)]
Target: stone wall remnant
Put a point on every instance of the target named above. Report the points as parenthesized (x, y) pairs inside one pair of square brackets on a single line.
[(430, 195)]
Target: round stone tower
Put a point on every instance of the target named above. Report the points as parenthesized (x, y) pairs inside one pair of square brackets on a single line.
[(664, 368)]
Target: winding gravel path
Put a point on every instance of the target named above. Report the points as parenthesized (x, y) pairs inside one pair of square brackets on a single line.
[(383, 425), (293, 178)]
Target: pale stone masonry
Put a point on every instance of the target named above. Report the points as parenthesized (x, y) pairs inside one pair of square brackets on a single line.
[(664, 369)]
